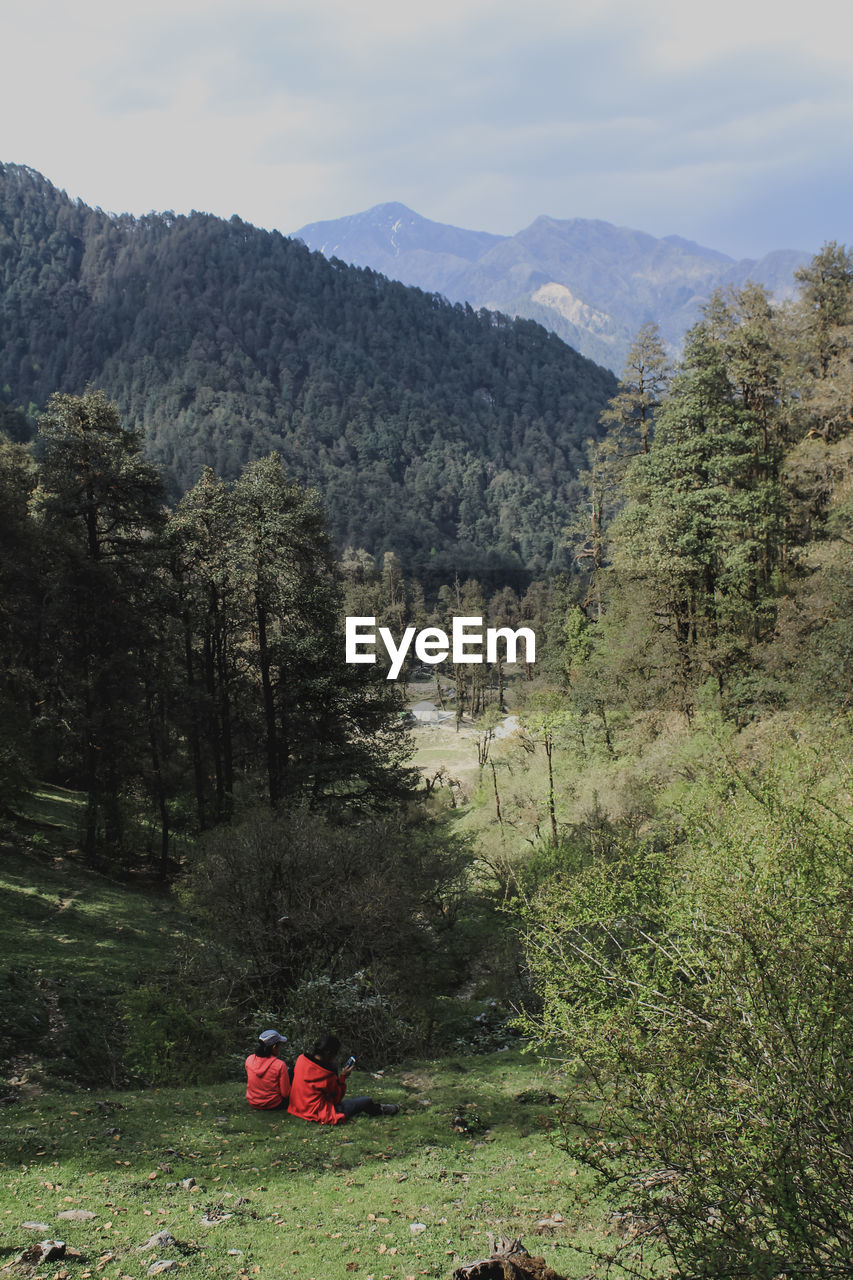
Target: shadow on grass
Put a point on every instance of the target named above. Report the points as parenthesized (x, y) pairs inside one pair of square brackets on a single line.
[(213, 1126)]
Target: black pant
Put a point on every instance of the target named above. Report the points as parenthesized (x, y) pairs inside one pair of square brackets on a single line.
[(356, 1106)]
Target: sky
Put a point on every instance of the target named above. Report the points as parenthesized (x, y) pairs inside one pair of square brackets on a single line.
[(728, 123)]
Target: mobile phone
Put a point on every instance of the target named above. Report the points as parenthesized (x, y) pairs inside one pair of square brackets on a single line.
[(350, 1062)]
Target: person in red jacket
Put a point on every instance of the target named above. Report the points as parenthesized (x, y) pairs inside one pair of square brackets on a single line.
[(318, 1088), (267, 1077)]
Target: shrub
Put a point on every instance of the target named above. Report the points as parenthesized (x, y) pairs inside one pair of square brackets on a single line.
[(172, 1040), (364, 1021), (24, 1017), (706, 995), (332, 922)]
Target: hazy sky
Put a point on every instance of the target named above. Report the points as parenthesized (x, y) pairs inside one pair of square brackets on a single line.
[(729, 123)]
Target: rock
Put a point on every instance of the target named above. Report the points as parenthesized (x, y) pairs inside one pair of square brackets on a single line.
[(162, 1264), (509, 1261), (161, 1240), (44, 1251), (417, 1227), (188, 1183), (76, 1215), (35, 1226), (214, 1222)]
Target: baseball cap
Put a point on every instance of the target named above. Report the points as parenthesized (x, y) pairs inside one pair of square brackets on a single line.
[(272, 1037)]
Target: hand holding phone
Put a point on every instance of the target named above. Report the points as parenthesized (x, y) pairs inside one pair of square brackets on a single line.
[(348, 1065)]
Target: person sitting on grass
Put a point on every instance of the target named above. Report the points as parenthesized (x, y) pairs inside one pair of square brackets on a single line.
[(268, 1080), (318, 1088)]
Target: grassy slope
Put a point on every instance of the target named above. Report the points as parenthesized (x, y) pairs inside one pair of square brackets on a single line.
[(56, 916), (70, 941), (305, 1201)]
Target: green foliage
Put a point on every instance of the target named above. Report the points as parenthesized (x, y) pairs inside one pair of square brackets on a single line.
[(97, 510), (161, 663), (55, 1029), (695, 537), (18, 626), (300, 902), (629, 418), (706, 524), (23, 1012), (704, 992), (71, 943), (825, 312), (641, 387), (445, 434), (809, 662), (366, 1022), (269, 694), (86, 1034), (172, 1037)]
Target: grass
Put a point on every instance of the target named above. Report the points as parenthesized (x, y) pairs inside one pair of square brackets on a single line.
[(390, 1197), (56, 915), (56, 807), (385, 1197), (440, 746)]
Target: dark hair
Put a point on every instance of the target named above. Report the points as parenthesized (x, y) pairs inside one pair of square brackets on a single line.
[(325, 1046), (265, 1050)]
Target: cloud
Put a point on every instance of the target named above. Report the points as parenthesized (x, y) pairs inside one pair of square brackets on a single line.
[(479, 112)]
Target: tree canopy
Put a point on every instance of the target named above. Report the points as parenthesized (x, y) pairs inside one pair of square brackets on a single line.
[(449, 436)]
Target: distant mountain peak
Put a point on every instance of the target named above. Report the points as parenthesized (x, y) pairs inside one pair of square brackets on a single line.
[(393, 209), (592, 282), (385, 234)]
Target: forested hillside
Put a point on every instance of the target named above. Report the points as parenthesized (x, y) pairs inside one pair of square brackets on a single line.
[(449, 436)]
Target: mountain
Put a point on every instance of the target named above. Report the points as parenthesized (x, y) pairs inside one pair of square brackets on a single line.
[(449, 436), (390, 234), (592, 283)]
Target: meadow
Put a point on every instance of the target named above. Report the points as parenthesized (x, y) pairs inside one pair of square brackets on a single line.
[(474, 1149)]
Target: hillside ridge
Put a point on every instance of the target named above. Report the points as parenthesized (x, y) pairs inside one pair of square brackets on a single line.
[(451, 437), (623, 276)]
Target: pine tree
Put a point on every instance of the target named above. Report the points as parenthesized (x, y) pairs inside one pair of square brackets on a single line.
[(629, 419), (99, 506), (705, 526), (825, 313)]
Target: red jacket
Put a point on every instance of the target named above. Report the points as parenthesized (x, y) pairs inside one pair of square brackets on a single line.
[(316, 1091), (268, 1082)]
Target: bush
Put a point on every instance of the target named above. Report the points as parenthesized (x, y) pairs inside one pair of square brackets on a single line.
[(334, 923), (88, 1048), (706, 994), (364, 1021), (67, 1031), (170, 1040), (24, 1016)]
